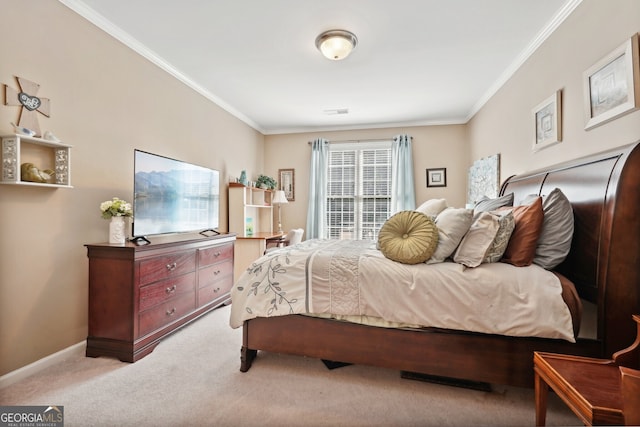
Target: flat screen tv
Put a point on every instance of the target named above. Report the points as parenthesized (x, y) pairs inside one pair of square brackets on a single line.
[(172, 196)]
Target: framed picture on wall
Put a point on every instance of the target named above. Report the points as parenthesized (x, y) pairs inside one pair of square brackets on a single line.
[(437, 177), (287, 183), (612, 85), (484, 179), (548, 122)]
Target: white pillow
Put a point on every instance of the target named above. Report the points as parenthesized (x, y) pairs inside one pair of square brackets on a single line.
[(432, 207), (478, 240), (453, 224)]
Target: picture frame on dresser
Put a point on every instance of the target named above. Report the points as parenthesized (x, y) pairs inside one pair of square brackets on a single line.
[(547, 118), (612, 85)]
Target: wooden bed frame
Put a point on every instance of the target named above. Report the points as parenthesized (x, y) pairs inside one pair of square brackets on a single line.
[(604, 264)]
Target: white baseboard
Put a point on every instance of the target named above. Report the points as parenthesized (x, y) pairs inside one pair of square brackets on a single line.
[(37, 366)]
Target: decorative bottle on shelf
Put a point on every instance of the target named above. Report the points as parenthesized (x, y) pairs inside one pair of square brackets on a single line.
[(116, 230), (249, 227)]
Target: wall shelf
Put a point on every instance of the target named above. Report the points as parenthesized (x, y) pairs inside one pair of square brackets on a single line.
[(44, 154)]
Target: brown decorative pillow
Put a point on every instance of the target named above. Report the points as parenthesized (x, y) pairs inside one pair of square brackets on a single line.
[(409, 237), (522, 245)]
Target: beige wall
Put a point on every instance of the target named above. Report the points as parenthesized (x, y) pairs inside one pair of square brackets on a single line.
[(106, 100), (433, 147), (505, 123)]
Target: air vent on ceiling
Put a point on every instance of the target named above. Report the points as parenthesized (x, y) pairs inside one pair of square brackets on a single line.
[(334, 111)]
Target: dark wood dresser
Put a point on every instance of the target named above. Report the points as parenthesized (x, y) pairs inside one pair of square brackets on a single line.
[(140, 294)]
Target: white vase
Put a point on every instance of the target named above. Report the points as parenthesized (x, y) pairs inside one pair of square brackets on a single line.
[(116, 230)]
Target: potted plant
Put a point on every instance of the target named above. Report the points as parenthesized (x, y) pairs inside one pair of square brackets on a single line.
[(116, 210), (266, 182)]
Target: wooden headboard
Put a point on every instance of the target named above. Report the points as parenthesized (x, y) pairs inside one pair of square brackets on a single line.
[(604, 261)]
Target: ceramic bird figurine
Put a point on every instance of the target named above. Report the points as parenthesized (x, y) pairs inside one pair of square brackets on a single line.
[(23, 130), (30, 173), (49, 136)]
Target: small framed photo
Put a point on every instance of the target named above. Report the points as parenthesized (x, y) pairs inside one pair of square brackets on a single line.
[(287, 183), (437, 177), (547, 117), (612, 85)]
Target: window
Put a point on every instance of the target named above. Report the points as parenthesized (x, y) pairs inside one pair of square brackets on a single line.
[(359, 189)]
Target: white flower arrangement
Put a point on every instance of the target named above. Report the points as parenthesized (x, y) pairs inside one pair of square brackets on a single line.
[(115, 207)]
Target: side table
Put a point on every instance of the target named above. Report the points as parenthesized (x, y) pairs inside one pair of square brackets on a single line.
[(591, 388)]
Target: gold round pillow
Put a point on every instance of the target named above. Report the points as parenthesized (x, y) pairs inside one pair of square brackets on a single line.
[(409, 237)]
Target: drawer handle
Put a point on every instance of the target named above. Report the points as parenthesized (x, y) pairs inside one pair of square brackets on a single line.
[(172, 266), (217, 254), (171, 312), (171, 289), (216, 290), (215, 273)]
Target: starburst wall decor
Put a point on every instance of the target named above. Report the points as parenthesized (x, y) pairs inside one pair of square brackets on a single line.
[(30, 104), (484, 179)]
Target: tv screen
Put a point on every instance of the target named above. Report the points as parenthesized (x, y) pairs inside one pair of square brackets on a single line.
[(172, 196)]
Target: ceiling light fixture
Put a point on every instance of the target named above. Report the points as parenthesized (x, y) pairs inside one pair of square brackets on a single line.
[(336, 44)]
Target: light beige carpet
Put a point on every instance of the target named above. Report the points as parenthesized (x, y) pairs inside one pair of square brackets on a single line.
[(193, 378)]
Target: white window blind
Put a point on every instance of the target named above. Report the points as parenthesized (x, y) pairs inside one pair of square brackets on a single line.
[(359, 189)]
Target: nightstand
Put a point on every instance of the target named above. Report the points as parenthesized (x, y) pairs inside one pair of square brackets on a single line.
[(591, 388), (594, 389)]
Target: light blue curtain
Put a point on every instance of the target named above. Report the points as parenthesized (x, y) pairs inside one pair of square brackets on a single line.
[(403, 193), (317, 212)]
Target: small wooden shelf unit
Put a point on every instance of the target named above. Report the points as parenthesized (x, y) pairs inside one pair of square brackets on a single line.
[(251, 218)]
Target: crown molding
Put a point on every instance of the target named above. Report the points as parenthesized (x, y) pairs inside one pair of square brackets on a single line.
[(104, 24), (119, 34), (540, 38)]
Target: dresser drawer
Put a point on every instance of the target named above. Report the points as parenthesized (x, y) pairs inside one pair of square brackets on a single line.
[(164, 267), (163, 291), (211, 274), (218, 289), (215, 254), (166, 313)]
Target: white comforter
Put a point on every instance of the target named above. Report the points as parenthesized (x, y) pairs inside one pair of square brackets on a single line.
[(350, 279)]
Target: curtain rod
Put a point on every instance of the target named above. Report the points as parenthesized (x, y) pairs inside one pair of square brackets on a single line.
[(344, 141)]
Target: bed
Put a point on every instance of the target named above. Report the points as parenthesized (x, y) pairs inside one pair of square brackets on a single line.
[(603, 264)]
